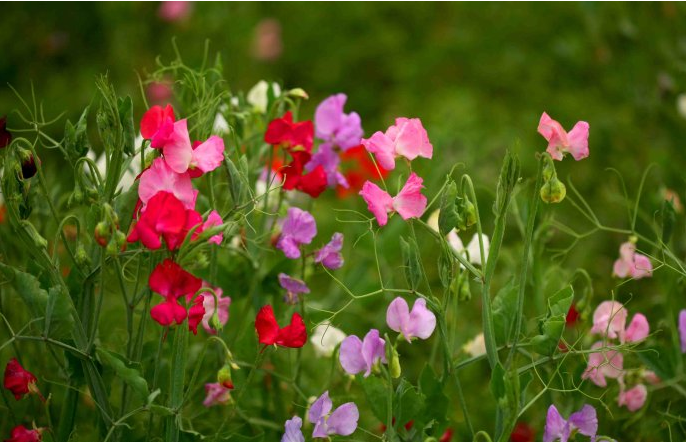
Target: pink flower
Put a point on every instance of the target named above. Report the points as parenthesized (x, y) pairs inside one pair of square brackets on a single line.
[(181, 155), (418, 323), (195, 314), (560, 142), (609, 319), (298, 228), (153, 120), (216, 394), (682, 330), (19, 380), (604, 363), (406, 138), (213, 220), (164, 216), (175, 11), (330, 255), (334, 126), (638, 329), (409, 203), (23, 434), (160, 177), (631, 263), (634, 398), (222, 309), (360, 355)]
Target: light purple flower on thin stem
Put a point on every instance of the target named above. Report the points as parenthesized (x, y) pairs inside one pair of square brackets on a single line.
[(293, 287), (330, 255), (293, 431), (342, 421), (682, 329), (299, 227), (357, 356), (328, 158), (334, 126), (418, 323), (559, 429)]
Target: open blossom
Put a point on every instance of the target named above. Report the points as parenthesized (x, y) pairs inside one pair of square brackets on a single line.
[(406, 138), (312, 183), (293, 286), (357, 168), (328, 160), (522, 432), (330, 255), (23, 434), (299, 227), (258, 95), (293, 335), (164, 217), (18, 380), (216, 394), (220, 308), (475, 347), (172, 282), (418, 323), (609, 320), (603, 363), (183, 156), (472, 251), (289, 134), (633, 398), (409, 202), (560, 142), (175, 11), (631, 263), (682, 330), (293, 432), (335, 127), (155, 119), (341, 421), (214, 219), (325, 338), (159, 177), (360, 355), (585, 421)]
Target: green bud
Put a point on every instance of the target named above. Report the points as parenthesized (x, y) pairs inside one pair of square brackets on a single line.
[(298, 93), (465, 293), (224, 377), (394, 364), (81, 256), (431, 439), (112, 248), (553, 191), (102, 233)]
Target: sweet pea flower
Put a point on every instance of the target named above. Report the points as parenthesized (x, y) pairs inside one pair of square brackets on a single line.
[(18, 380), (299, 227), (23, 434), (342, 421), (325, 338), (183, 156), (682, 330), (407, 138), (631, 263), (418, 323), (175, 11), (357, 168), (409, 203), (638, 329), (472, 251), (330, 255), (216, 394), (634, 398), (609, 319), (293, 335), (172, 282), (195, 314), (522, 432), (293, 287), (164, 217), (221, 309), (604, 363), (560, 142), (155, 119), (159, 177), (291, 135), (329, 160), (585, 421), (335, 127), (293, 431), (360, 355), (214, 220), (258, 95)]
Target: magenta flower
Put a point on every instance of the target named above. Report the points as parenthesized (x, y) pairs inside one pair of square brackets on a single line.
[(293, 287), (335, 127), (342, 421), (160, 177), (418, 323), (631, 263), (634, 398), (175, 11), (222, 309), (604, 363), (213, 220), (216, 394), (560, 142), (297, 228), (682, 329), (407, 138), (356, 355), (559, 429), (409, 203), (330, 255), (293, 431)]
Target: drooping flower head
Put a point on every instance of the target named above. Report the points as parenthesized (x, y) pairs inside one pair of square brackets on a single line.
[(216, 394), (406, 138), (299, 227), (293, 335), (293, 286), (584, 421), (293, 432), (409, 202), (172, 282), (603, 363), (18, 380), (335, 127), (560, 142), (330, 255), (220, 309), (418, 323), (342, 421), (325, 338), (631, 263), (289, 134), (23, 434), (634, 398), (360, 355)]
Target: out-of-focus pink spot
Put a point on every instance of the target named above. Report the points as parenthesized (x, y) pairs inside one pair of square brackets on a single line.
[(267, 45), (175, 11)]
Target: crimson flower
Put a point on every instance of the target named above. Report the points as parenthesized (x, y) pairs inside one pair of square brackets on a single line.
[(358, 168), (312, 183), (172, 282), (291, 135), (154, 119), (522, 432), (572, 316), (293, 335), (18, 380), (23, 434)]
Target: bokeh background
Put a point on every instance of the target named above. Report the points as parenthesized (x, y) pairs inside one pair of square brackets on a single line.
[(478, 75)]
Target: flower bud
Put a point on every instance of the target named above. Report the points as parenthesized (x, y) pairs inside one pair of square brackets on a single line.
[(102, 233), (298, 93), (394, 365), (28, 167), (553, 191), (224, 377), (81, 256)]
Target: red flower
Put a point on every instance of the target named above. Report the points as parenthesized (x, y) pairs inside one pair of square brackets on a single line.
[(572, 316), (195, 314), (447, 435), (18, 380), (5, 135), (154, 119), (293, 335), (313, 183), (358, 168), (22, 434), (293, 136), (172, 282), (522, 433)]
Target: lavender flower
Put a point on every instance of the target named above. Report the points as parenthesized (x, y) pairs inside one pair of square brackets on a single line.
[(335, 127), (297, 228), (293, 288), (330, 255), (419, 323), (356, 355), (293, 432), (585, 421), (342, 421)]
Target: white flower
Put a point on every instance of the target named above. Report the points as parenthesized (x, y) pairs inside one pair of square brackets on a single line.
[(455, 242), (258, 95), (325, 338), (475, 347), (220, 126)]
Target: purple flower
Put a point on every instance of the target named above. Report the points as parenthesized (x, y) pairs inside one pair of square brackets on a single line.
[(682, 329), (330, 255), (357, 356), (293, 432), (418, 323), (298, 228), (342, 421), (293, 287), (222, 310), (334, 126), (556, 428), (328, 158)]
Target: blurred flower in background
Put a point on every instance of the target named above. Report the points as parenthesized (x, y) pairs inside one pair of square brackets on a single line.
[(267, 44), (175, 11)]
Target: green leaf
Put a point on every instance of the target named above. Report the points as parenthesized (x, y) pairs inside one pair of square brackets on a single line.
[(413, 267), (504, 310), (239, 186), (433, 390), (408, 403), (128, 131), (448, 217), (129, 376), (552, 326), (376, 391), (124, 205), (497, 384), (76, 138)]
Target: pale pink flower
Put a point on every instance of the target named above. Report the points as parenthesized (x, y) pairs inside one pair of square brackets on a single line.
[(638, 329), (406, 138), (222, 309), (409, 203), (634, 398), (603, 363), (560, 142), (181, 155), (418, 323), (160, 177), (632, 264), (175, 11), (214, 220), (609, 319)]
